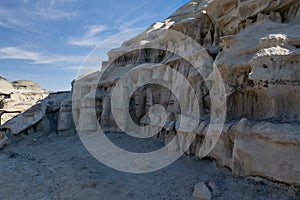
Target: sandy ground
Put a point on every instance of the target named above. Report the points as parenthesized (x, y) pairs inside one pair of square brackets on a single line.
[(59, 167)]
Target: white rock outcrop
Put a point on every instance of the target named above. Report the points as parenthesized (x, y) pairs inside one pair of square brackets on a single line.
[(52, 114), (253, 44), (26, 119), (17, 97)]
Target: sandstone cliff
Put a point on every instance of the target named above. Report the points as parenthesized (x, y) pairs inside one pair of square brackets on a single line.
[(253, 44)]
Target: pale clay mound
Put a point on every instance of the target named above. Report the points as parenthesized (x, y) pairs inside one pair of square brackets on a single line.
[(254, 44)]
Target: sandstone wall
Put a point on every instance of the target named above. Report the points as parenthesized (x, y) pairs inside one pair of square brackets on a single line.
[(255, 46)]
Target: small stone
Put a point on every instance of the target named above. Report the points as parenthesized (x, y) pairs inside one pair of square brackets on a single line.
[(143, 165), (34, 140), (201, 192)]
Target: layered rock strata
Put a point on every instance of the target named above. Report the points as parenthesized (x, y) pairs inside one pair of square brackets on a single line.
[(253, 44)]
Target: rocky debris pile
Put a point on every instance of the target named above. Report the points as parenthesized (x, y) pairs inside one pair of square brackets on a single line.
[(254, 44), (52, 114), (18, 96)]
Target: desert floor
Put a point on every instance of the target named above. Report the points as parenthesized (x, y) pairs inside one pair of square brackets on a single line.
[(59, 167)]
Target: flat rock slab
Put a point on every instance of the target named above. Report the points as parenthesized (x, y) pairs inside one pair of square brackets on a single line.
[(26, 119)]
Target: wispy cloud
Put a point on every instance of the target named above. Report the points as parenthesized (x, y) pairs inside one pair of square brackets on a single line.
[(129, 13), (125, 25), (53, 9), (10, 18), (6, 24), (39, 58), (116, 40), (28, 15), (18, 53), (91, 37), (94, 34), (130, 18)]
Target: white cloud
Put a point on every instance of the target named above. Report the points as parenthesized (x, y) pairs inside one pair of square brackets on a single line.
[(5, 24), (90, 38), (130, 13), (54, 14), (130, 18), (18, 53), (10, 18), (53, 9), (7, 18), (30, 12), (39, 58), (118, 39), (95, 29), (93, 37), (128, 24)]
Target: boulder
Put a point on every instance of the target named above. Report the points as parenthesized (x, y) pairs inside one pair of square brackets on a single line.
[(201, 192)]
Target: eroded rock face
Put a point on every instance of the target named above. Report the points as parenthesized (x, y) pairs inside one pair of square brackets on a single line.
[(65, 118), (52, 114), (267, 149), (18, 96), (265, 73), (255, 46)]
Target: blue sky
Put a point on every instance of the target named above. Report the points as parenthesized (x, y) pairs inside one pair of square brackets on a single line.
[(47, 40)]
